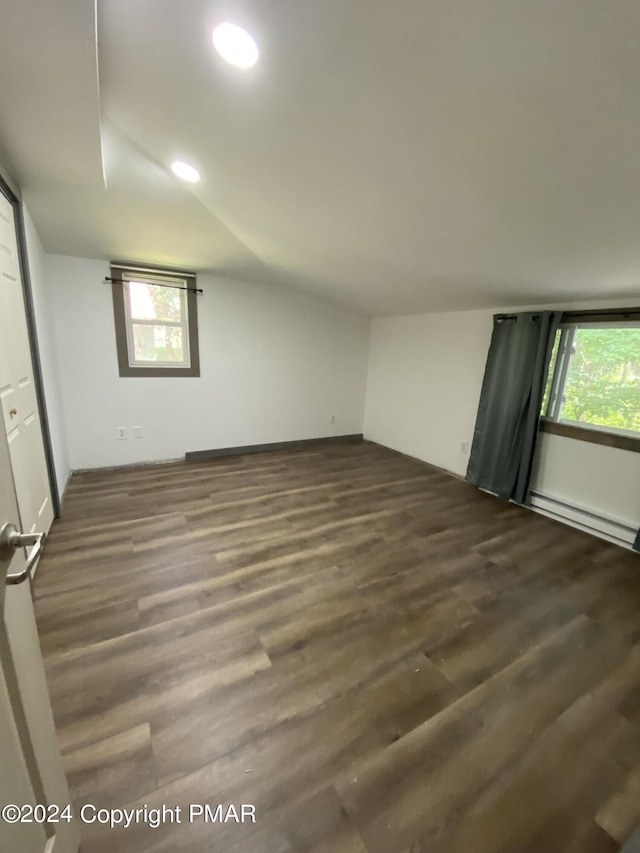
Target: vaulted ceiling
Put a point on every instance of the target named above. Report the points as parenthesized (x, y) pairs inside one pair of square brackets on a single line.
[(396, 156)]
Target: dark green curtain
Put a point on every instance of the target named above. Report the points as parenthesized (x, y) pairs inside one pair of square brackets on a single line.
[(506, 429)]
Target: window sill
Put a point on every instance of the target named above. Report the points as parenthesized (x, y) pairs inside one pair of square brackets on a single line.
[(592, 434), (159, 372)]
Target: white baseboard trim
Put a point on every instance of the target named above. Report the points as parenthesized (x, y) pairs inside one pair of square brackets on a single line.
[(584, 519)]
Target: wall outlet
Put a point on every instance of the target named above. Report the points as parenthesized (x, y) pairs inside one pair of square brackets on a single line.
[(137, 432), (122, 433), (464, 446), (332, 419)]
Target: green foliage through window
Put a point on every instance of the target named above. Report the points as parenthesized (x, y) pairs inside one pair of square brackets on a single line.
[(602, 384), (552, 368), (158, 331)]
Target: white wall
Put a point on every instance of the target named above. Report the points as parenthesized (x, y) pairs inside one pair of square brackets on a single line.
[(47, 348), (586, 478), (423, 387), (275, 365)]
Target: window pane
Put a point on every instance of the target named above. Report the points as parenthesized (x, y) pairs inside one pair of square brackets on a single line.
[(151, 302), (603, 381), (158, 343), (550, 374)]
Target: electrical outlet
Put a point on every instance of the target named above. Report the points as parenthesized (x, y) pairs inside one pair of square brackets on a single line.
[(122, 433), (137, 432), (464, 446), (332, 419)]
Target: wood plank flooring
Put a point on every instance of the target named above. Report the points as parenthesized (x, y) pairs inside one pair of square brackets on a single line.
[(376, 655)]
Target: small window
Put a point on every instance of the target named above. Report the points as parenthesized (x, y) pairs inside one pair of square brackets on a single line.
[(155, 314), (594, 378)]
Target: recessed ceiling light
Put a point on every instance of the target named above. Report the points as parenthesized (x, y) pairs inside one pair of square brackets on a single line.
[(186, 172), (235, 45)]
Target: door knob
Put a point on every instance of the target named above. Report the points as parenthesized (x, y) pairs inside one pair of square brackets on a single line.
[(10, 540), (13, 412)]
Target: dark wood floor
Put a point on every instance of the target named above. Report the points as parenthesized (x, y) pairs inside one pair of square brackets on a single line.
[(376, 655)]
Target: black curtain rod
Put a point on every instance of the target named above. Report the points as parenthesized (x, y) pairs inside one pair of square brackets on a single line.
[(604, 312), (108, 280), (501, 317)]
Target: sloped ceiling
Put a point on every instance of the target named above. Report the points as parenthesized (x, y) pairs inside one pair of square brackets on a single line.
[(397, 157)]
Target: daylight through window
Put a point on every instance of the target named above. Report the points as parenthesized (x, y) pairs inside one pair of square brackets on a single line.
[(594, 377), (155, 314), (157, 324)]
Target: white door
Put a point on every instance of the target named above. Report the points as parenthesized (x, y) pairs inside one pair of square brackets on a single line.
[(31, 774), (17, 389)]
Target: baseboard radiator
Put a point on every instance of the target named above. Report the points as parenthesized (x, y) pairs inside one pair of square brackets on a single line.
[(584, 519)]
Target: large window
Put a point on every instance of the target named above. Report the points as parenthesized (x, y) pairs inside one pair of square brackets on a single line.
[(156, 324), (594, 378)]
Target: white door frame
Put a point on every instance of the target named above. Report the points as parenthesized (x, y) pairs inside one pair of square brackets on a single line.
[(31, 769), (12, 192)]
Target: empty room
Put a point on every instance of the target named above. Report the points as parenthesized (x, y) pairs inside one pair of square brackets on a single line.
[(320, 387)]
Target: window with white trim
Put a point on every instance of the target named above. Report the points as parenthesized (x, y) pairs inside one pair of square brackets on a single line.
[(157, 318), (594, 377)]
